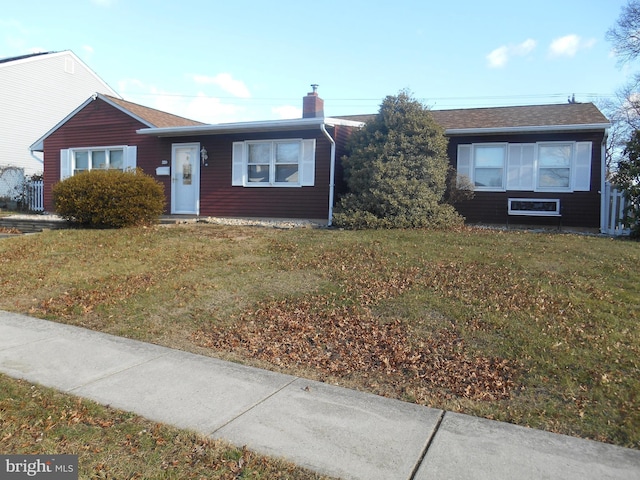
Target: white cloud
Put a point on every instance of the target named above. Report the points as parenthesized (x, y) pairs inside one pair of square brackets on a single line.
[(200, 107), (212, 110), (287, 111), (500, 56), (226, 82), (569, 45)]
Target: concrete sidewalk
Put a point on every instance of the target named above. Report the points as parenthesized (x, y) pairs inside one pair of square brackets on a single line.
[(328, 429)]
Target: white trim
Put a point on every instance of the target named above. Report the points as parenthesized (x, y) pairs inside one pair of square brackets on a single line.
[(603, 183), (244, 127), (38, 145), (124, 110), (195, 178), (528, 129), (573, 186), (332, 173), (128, 156), (502, 187), (536, 213), (306, 164)]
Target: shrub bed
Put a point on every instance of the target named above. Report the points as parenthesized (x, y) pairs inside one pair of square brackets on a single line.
[(109, 199)]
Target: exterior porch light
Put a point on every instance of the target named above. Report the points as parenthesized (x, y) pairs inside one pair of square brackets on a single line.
[(204, 156)]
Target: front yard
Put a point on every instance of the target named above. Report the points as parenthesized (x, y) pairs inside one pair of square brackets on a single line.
[(535, 329)]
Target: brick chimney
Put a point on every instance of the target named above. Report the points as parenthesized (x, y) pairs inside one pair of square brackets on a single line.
[(312, 104)]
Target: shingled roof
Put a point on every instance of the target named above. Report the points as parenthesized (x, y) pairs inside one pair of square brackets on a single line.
[(567, 114), (22, 57), (496, 118), (155, 118)]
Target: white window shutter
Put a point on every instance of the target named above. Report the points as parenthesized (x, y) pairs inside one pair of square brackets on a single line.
[(238, 165), (463, 166), (130, 158), (520, 166), (65, 163), (308, 163), (582, 167)]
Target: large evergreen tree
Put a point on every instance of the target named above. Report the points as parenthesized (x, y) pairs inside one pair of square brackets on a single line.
[(396, 170)]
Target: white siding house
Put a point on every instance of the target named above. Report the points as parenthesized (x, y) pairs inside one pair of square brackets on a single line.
[(36, 92)]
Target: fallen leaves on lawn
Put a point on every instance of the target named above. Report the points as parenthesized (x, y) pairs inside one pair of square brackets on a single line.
[(344, 340), (108, 291)]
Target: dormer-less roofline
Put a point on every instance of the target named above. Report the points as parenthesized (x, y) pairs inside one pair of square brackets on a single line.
[(243, 127), (528, 129)]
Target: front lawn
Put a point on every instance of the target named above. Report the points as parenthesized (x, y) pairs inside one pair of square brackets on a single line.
[(535, 329)]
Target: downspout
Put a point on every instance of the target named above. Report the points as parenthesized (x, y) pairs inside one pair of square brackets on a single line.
[(603, 183), (332, 174)]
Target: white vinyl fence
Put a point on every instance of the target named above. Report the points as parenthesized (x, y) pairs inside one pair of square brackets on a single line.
[(615, 204), (35, 196)]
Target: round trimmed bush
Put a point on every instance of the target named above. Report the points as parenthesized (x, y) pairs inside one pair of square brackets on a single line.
[(109, 199)]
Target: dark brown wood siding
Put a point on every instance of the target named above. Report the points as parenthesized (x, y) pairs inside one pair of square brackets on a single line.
[(219, 198), (341, 136), (97, 125), (578, 209)]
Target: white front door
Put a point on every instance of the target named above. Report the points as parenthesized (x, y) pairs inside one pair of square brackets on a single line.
[(185, 178)]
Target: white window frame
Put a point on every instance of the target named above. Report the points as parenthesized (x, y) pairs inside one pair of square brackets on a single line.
[(537, 213), (475, 148), (305, 163), (91, 150), (571, 167), (579, 166), (68, 158)]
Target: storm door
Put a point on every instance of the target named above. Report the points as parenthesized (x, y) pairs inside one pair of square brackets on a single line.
[(185, 178)]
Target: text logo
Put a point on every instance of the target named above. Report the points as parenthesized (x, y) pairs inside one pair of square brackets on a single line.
[(50, 467)]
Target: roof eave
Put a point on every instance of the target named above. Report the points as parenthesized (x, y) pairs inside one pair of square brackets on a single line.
[(528, 129), (243, 127), (38, 145)]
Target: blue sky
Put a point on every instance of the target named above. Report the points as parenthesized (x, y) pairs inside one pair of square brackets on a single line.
[(242, 60)]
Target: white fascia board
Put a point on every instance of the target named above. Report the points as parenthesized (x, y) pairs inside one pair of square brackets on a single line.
[(221, 128), (38, 145), (124, 110), (528, 129), (342, 122), (242, 127)]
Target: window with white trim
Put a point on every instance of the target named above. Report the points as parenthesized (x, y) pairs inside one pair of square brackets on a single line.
[(273, 163), (540, 167), (97, 159), (77, 160)]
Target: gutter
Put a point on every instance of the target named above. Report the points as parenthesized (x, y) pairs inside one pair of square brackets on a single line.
[(527, 129), (332, 174), (246, 127)]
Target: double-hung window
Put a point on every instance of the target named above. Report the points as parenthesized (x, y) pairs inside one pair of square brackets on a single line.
[(489, 167), (541, 167), (554, 166), (273, 163)]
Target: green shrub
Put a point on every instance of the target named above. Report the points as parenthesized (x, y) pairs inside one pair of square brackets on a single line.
[(396, 170), (109, 199)]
